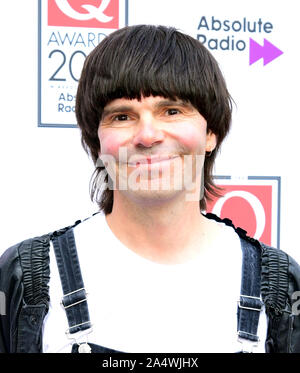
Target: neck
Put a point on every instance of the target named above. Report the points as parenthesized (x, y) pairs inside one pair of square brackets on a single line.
[(172, 231)]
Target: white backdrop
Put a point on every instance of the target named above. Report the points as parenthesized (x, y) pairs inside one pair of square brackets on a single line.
[(44, 171)]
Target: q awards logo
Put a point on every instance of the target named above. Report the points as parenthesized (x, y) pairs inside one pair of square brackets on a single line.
[(236, 35), (68, 31), (252, 203)]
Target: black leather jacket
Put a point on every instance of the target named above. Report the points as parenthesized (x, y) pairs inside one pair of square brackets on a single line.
[(24, 276)]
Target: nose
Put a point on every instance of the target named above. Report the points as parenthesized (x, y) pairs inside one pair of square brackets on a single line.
[(148, 133)]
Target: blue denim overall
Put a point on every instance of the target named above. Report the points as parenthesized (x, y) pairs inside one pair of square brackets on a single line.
[(75, 302)]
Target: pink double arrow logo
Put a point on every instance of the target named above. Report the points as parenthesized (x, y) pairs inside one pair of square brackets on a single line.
[(268, 52)]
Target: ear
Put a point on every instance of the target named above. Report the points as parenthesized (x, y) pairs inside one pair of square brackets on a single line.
[(211, 141)]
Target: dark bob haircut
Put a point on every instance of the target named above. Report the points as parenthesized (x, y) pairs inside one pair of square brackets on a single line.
[(149, 60)]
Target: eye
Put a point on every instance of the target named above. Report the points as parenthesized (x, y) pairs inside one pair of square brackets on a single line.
[(172, 111), (121, 117)]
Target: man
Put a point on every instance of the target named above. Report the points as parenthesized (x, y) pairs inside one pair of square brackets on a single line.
[(161, 276)]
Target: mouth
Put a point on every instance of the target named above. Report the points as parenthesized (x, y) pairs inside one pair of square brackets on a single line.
[(152, 160)]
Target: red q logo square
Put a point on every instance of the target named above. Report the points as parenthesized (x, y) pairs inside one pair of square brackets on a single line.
[(250, 207), (84, 13)]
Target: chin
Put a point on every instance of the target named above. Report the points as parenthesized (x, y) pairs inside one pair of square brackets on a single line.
[(152, 197)]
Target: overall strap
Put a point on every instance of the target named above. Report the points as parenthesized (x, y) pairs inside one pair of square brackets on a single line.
[(74, 299), (249, 304)]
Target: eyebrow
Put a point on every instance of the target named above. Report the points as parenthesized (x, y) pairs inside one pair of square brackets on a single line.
[(173, 103), (160, 104)]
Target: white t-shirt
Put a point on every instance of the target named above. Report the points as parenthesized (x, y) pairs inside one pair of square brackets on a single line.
[(136, 305)]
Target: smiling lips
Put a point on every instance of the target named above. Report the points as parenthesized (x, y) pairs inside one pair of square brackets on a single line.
[(151, 160)]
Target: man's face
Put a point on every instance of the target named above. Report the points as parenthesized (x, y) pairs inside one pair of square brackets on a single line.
[(158, 146)]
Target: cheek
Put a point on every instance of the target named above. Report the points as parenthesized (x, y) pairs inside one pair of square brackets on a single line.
[(110, 141), (192, 137)]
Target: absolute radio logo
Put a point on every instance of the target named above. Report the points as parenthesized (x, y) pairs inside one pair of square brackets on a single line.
[(236, 35), (253, 204), (68, 31)]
